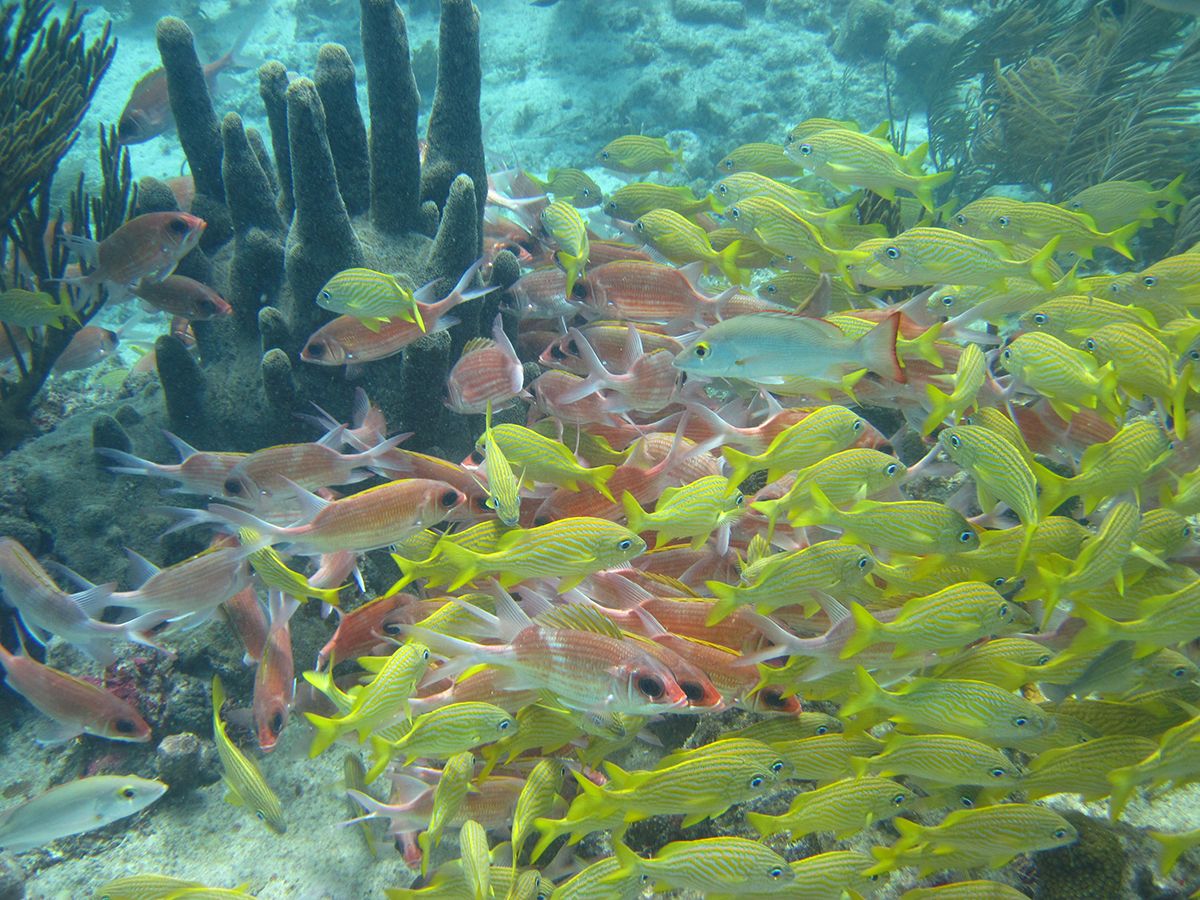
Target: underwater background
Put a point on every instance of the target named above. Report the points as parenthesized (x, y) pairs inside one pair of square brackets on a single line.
[(716, 448)]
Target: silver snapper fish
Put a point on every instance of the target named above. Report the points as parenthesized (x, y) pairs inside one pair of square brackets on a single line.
[(75, 807), (769, 348)]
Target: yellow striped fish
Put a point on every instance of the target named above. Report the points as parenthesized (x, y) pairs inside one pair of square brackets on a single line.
[(692, 510), (443, 732), (535, 801), (632, 201), (563, 223), (905, 526), (943, 759), (968, 378), (476, 856), (938, 256), (594, 883), (825, 430), (274, 572), (1145, 366), (1025, 223), (449, 795), (966, 890), (765, 159), (374, 298), (637, 154), (844, 808), (741, 185), (1113, 203), (720, 865), (842, 477), (785, 231), (682, 241), (503, 485), (1067, 378), (1083, 768), (572, 185), (244, 783), (1065, 317), (826, 758), (544, 459)]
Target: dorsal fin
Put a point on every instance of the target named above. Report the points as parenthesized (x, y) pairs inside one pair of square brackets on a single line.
[(141, 569), (477, 343), (670, 582), (182, 447), (580, 618)]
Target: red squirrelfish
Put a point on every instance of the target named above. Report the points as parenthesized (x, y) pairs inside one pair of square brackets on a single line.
[(542, 294), (147, 112), (650, 292), (374, 518), (74, 706), (372, 625), (346, 340), (194, 587), (198, 472), (246, 617), (275, 680), (89, 346), (183, 296), (616, 345), (147, 247), (488, 373)]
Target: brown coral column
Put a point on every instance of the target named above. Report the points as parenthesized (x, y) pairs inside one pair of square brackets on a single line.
[(455, 131), (393, 103), (321, 241), (196, 124), (344, 126), (272, 87)]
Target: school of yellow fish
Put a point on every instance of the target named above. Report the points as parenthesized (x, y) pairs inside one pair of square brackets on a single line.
[(699, 514)]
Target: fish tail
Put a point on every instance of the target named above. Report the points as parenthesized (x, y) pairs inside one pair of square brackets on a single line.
[(1172, 194), (1106, 392), (868, 694), (1117, 240), (860, 765), (910, 833), (463, 560), (878, 349), (726, 595), (383, 755), (1098, 630), (1026, 543), (573, 266), (927, 184), (590, 803), (741, 465), (925, 346), (1173, 846), (1039, 263), (866, 632), (634, 514), (939, 408), (1183, 382), (727, 262), (1123, 781), (765, 825), (1055, 489), (628, 863), (888, 859), (598, 479), (328, 731)]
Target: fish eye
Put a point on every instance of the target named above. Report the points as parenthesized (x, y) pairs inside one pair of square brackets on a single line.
[(125, 726), (1020, 721), (128, 793), (1178, 672), (777, 766), (776, 872), (1040, 318), (693, 691), (740, 501), (639, 225), (890, 469), (857, 426), (476, 458), (948, 300), (650, 686), (701, 350), (757, 781), (997, 772), (490, 503), (611, 206), (277, 723), (1187, 531), (393, 628), (503, 724), (260, 815), (999, 582), (1003, 221), (966, 537), (772, 699), (899, 799), (1003, 611), (722, 188), (572, 347), (1060, 833), (325, 295), (863, 562), (772, 289), (556, 353), (179, 226), (233, 486), (579, 290), (1006, 355), (315, 350), (728, 163), (425, 653), (1149, 281), (965, 802), (955, 441), (625, 544), (1089, 344), (734, 213), (586, 192), (892, 252), (1043, 659), (805, 149), (450, 498), (1194, 354), (604, 154), (960, 219)]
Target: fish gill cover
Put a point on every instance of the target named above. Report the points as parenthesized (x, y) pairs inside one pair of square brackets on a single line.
[(750, 499)]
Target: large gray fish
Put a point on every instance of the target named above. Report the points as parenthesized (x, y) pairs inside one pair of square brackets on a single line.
[(770, 348), (75, 807)]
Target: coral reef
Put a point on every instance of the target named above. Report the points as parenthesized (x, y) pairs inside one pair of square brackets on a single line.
[(338, 195)]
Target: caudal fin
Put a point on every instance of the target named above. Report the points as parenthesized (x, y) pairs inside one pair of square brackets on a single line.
[(877, 349)]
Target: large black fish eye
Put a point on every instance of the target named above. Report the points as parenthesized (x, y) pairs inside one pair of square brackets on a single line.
[(233, 486), (805, 149), (960, 219), (277, 723), (556, 352), (955, 441), (997, 772), (863, 562), (504, 724), (625, 544), (476, 458), (1003, 221), (892, 252), (650, 686), (1178, 672), (1040, 318), (757, 781), (393, 628), (179, 226), (1149, 281), (126, 726), (1002, 612), (772, 699), (1006, 355), (692, 690), (722, 188), (325, 295), (315, 350), (450, 498), (734, 213), (1193, 355), (128, 793), (579, 290), (966, 537), (700, 350)]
